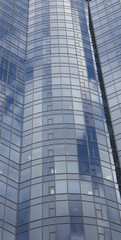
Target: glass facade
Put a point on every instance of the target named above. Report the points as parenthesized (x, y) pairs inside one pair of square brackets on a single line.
[(60, 120), (106, 22)]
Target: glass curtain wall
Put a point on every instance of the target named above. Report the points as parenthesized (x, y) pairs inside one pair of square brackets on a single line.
[(68, 186), (106, 18), (13, 29)]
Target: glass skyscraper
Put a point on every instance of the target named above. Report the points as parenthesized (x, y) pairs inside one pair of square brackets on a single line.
[(60, 120)]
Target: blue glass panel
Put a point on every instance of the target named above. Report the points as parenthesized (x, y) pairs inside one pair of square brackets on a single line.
[(23, 236), (23, 216), (75, 208), (24, 194), (23, 228), (77, 232), (84, 168), (82, 150)]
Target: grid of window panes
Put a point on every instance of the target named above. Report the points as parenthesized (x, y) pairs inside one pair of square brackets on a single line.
[(67, 171), (68, 187), (13, 26), (106, 17)]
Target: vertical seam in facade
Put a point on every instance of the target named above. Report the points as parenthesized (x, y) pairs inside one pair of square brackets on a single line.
[(22, 123)]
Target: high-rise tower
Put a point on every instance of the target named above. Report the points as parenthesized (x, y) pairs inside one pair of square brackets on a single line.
[(60, 150)]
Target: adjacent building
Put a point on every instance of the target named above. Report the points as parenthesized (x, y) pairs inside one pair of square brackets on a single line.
[(60, 120)]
